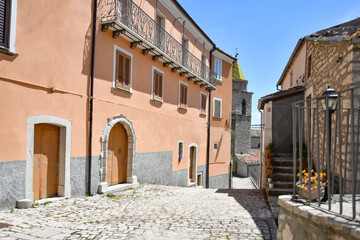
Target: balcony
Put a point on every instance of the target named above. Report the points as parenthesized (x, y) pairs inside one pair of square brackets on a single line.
[(124, 17)]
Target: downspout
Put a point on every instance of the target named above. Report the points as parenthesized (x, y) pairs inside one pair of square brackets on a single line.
[(92, 92), (261, 145), (208, 123)]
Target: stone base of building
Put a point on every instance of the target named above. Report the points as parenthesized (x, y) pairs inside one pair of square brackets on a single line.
[(299, 221)]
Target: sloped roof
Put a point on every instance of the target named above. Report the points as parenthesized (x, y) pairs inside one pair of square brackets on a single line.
[(344, 31), (279, 94), (237, 72)]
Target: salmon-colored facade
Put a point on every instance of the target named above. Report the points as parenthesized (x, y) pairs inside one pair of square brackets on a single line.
[(149, 82)]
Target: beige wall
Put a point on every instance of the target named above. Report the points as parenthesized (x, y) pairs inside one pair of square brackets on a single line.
[(295, 73)]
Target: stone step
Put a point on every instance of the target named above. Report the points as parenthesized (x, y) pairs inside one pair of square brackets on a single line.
[(279, 191), (285, 155), (283, 177), (283, 169), (282, 162), (280, 184)]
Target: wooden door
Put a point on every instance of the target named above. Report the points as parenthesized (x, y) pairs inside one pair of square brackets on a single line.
[(192, 159), (117, 155), (46, 160)]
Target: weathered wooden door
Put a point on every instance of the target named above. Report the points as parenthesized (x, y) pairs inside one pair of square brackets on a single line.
[(117, 155), (192, 161), (46, 160)]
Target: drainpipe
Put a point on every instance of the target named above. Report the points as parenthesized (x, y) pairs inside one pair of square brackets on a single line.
[(208, 123), (261, 145), (92, 92)]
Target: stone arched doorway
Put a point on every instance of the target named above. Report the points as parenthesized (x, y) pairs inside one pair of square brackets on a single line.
[(105, 155)]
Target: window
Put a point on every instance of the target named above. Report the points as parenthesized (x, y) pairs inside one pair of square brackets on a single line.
[(203, 66), (157, 84), (183, 87), (4, 22), (243, 110), (185, 43), (160, 30), (8, 14), (309, 67), (217, 108), (180, 154), (123, 69), (216, 146), (218, 68), (203, 103)]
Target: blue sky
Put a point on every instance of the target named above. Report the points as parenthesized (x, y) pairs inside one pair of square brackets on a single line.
[(265, 32)]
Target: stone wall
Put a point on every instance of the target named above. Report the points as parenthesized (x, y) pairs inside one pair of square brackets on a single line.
[(334, 64), (241, 133), (298, 221)]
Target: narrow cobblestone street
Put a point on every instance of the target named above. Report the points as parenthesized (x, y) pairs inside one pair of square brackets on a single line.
[(147, 212)]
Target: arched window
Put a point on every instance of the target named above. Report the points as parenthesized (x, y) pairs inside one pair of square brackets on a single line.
[(243, 107)]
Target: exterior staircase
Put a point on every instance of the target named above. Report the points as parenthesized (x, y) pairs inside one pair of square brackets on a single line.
[(282, 178)]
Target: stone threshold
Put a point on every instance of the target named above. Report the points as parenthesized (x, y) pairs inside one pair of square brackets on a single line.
[(120, 187)]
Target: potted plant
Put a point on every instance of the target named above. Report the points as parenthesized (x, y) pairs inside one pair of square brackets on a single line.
[(268, 152), (316, 180), (270, 169), (269, 148), (271, 185)]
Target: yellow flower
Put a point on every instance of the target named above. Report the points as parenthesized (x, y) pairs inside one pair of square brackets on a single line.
[(304, 171), (312, 170), (324, 174), (302, 186), (315, 187), (298, 174)]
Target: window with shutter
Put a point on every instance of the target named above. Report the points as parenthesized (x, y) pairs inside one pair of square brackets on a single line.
[(123, 71), (4, 22), (217, 108), (158, 77), (183, 95), (202, 103)]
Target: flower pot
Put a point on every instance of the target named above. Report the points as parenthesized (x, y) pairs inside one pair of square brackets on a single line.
[(306, 192), (269, 160), (270, 171), (269, 180), (271, 185)]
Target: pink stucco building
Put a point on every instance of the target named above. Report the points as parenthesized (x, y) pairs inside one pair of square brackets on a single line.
[(96, 99)]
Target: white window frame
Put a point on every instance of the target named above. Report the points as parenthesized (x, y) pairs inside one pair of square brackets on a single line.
[(218, 99), (178, 150), (12, 29), (218, 68), (216, 143), (117, 48), (187, 94), (202, 93), (152, 84)]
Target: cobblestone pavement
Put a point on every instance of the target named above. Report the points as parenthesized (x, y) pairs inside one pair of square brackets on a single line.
[(147, 212), (242, 183)]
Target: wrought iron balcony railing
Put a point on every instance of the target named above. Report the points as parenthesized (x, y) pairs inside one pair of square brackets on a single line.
[(125, 17)]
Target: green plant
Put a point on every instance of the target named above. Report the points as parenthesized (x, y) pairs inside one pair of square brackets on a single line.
[(270, 146), (269, 167), (11, 210), (46, 203), (111, 195)]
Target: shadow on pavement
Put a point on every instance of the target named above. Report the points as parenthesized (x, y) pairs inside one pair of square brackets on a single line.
[(253, 201)]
